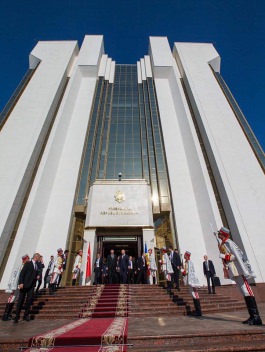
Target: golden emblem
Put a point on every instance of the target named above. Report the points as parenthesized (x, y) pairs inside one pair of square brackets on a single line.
[(119, 197)]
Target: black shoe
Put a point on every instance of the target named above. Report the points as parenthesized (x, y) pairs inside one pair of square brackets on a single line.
[(247, 321), (16, 320), (26, 318), (255, 321)]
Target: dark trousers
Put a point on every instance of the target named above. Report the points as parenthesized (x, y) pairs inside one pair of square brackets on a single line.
[(130, 276), (97, 276), (209, 278), (112, 276), (46, 278), (123, 276), (25, 294), (39, 281), (141, 277), (176, 276)]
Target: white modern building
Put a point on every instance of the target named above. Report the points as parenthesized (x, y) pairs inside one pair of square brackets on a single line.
[(94, 153)]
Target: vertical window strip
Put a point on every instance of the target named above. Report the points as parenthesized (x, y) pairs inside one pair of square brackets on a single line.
[(99, 132), (87, 159), (144, 147), (151, 153), (105, 135), (161, 169)]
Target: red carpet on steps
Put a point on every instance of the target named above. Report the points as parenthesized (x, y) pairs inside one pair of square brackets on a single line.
[(105, 334), (108, 301)]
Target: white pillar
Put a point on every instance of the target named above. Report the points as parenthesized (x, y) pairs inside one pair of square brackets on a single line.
[(89, 239), (149, 238)]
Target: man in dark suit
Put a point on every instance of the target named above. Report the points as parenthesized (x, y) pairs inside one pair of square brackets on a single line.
[(98, 269), (111, 267), (131, 270), (176, 266), (141, 269), (26, 283), (209, 272), (123, 265)]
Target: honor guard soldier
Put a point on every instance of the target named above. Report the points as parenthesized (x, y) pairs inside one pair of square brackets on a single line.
[(77, 266), (192, 281), (238, 269), (56, 270)]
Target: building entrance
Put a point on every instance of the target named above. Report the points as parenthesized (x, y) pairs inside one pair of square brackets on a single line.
[(131, 243), (131, 248)]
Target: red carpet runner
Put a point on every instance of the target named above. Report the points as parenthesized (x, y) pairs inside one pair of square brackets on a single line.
[(106, 334), (91, 334), (109, 301)]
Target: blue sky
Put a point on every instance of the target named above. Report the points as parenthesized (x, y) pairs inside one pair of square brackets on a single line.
[(235, 27)]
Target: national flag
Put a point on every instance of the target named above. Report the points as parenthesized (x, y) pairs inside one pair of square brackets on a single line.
[(145, 248), (88, 263)]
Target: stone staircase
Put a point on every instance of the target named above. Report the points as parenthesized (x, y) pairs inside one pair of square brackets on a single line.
[(157, 319), (143, 300), (210, 303)]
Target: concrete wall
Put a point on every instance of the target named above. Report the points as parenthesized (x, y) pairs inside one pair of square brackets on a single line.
[(22, 136), (45, 223), (239, 177), (195, 208)]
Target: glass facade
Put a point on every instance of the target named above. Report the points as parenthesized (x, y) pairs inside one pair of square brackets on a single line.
[(124, 136)]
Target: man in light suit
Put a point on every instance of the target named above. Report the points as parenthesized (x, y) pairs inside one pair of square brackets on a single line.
[(123, 265), (26, 283), (209, 273)]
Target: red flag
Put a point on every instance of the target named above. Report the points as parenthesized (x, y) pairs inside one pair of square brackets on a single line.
[(88, 263)]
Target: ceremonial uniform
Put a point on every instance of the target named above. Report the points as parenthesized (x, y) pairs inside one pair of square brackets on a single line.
[(166, 268), (77, 267), (192, 281), (152, 268), (13, 289), (47, 273), (56, 270), (238, 269)]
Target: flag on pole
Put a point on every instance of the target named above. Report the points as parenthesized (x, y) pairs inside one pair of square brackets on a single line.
[(88, 263)]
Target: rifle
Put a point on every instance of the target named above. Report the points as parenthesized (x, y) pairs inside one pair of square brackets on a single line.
[(222, 250)]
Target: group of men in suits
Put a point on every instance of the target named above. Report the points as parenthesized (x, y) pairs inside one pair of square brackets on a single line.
[(121, 269)]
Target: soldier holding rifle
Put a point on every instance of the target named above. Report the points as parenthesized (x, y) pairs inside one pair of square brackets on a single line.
[(238, 269)]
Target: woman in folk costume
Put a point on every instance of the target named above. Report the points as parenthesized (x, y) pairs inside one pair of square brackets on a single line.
[(13, 289), (77, 266), (166, 268), (238, 269), (151, 265), (190, 279)]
